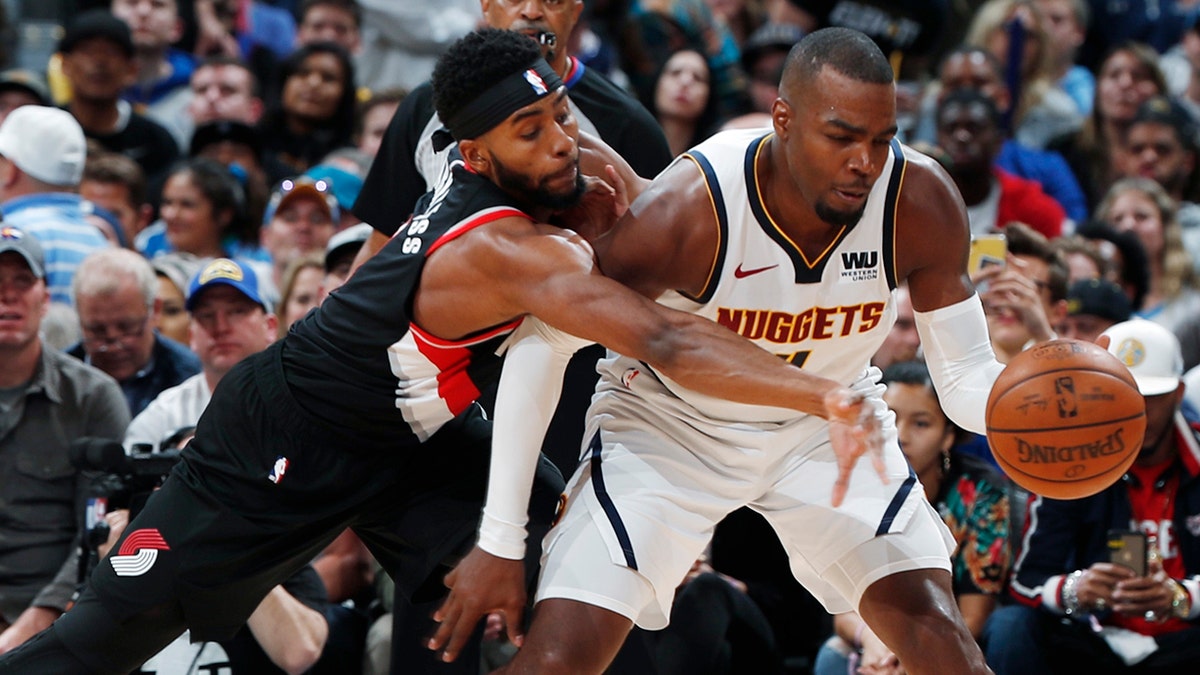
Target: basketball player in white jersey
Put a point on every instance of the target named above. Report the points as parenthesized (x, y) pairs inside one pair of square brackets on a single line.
[(794, 239)]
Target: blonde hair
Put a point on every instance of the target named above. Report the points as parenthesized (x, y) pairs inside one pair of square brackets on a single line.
[(991, 19), (1176, 263)]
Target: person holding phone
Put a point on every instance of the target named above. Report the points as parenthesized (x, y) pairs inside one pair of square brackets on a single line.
[(1133, 605)]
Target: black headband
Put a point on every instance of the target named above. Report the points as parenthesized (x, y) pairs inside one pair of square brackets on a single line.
[(502, 99)]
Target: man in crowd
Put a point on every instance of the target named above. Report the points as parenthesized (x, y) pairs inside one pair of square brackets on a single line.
[(47, 400), (98, 61), (160, 90), (336, 21), (1093, 305), (42, 154), (116, 296), (1079, 612), (969, 130)]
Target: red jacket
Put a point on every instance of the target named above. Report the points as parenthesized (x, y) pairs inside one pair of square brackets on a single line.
[(1023, 200)]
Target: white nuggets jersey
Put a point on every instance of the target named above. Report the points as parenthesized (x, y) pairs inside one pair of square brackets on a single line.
[(825, 311)]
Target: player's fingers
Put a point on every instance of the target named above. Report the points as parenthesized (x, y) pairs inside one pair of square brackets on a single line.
[(1104, 341), (446, 617), (453, 633)]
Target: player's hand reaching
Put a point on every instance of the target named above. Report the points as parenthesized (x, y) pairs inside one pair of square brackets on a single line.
[(854, 431), (479, 585), (605, 199)]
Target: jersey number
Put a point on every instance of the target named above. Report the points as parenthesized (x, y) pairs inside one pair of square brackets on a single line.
[(796, 358)]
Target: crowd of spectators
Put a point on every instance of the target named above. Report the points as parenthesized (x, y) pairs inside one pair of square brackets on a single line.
[(178, 186)]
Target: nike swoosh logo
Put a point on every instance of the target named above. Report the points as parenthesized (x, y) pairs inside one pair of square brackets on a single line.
[(740, 273)]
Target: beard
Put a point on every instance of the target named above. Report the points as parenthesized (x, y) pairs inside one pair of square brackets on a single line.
[(834, 217), (535, 192)]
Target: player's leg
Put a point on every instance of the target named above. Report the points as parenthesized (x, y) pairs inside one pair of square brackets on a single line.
[(569, 637), (915, 613), (639, 512)]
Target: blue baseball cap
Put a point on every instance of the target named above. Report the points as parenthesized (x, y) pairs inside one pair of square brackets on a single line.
[(224, 271)]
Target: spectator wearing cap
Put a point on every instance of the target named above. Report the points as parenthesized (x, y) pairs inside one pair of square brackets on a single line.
[(340, 253), (1076, 611), (47, 400), (98, 61), (161, 87), (301, 217), (174, 270), (42, 152), (116, 296), (1092, 306), (20, 87), (344, 169), (117, 184), (231, 318)]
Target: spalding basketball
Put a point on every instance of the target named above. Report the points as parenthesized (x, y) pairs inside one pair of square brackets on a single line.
[(1065, 419)]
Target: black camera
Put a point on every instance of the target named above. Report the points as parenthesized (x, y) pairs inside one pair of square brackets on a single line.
[(124, 481)]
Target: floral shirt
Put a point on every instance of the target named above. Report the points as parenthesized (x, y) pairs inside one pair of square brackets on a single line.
[(973, 502)]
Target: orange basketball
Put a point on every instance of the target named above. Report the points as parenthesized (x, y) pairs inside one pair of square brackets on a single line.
[(1065, 419)]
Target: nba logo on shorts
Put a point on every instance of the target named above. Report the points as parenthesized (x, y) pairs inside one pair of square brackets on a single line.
[(138, 553), (277, 471)]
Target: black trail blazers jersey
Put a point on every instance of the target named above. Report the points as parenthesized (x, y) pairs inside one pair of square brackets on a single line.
[(360, 363)]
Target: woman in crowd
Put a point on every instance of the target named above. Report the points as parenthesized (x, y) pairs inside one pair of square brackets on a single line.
[(1128, 76), (300, 291), (684, 104), (203, 213), (174, 271), (1143, 207), (970, 496), (314, 112)]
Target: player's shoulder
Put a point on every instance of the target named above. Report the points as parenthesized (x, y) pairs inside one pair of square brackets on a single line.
[(925, 179)]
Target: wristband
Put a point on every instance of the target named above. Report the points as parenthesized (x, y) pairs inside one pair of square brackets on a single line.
[(1070, 595)]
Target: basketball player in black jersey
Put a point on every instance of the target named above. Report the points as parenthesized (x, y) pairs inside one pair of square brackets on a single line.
[(363, 415)]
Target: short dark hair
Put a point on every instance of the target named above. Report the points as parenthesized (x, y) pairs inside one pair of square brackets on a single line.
[(349, 6), (476, 62), (1024, 240), (847, 51), (969, 97), (117, 169)]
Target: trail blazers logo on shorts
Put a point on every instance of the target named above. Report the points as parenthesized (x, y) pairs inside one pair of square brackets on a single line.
[(138, 553), (860, 265)]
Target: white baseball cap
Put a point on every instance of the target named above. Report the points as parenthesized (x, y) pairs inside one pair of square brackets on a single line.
[(1150, 352), (46, 143)]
